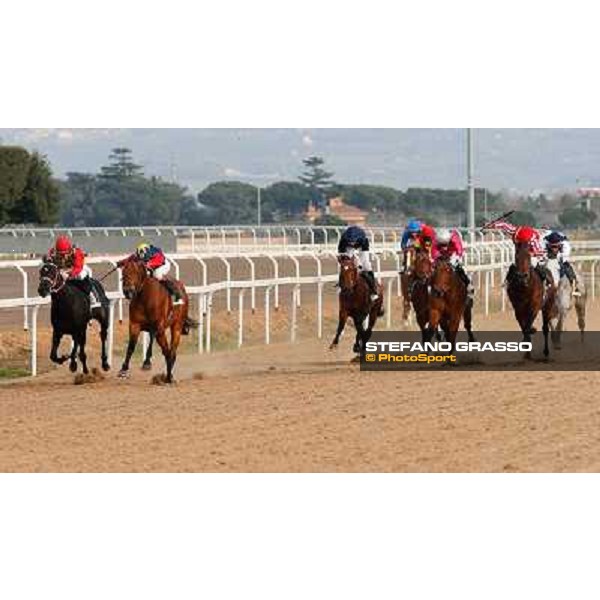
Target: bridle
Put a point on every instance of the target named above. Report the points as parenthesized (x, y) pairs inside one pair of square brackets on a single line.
[(136, 262), (57, 282), (343, 266)]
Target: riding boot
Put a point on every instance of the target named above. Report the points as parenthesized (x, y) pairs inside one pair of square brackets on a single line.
[(96, 293), (568, 270), (464, 277), (370, 277), (173, 290)]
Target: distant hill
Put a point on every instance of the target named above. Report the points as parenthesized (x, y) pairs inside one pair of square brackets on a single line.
[(521, 159)]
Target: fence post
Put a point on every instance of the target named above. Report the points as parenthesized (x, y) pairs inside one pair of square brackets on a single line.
[(111, 330), (25, 296), (201, 303), (208, 323), (267, 317), (294, 323), (320, 309), (388, 309), (240, 317), (33, 337)]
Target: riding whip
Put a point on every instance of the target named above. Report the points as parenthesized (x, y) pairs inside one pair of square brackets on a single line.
[(501, 218)]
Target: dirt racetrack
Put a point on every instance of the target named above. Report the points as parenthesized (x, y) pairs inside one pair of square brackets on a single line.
[(302, 408)]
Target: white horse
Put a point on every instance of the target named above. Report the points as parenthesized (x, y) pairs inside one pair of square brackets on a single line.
[(564, 301)]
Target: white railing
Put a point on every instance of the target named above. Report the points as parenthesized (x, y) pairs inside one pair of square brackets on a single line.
[(491, 275)]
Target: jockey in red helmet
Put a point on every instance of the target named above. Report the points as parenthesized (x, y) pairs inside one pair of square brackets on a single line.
[(524, 234), (426, 238), (70, 259)]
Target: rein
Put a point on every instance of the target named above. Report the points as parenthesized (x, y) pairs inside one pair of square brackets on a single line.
[(54, 287)]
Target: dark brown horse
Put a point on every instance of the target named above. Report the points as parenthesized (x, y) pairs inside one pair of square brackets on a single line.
[(355, 302), (418, 287), (151, 309), (526, 293), (448, 303)]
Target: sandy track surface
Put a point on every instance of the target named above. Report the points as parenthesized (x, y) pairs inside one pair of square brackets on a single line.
[(302, 408)]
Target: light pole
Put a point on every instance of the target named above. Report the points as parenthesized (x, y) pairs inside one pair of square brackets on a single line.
[(470, 187)]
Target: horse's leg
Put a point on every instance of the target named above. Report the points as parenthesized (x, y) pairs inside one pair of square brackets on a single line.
[(163, 342), (73, 357), (176, 330), (82, 355), (103, 321), (134, 334), (147, 365), (343, 317), (546, 329), (360, 334), (468, 320), (56, 337)]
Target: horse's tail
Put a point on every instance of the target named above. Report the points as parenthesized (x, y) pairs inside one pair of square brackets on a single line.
[(189, 324)]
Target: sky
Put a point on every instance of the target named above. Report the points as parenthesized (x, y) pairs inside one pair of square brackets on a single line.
[(525, 160)]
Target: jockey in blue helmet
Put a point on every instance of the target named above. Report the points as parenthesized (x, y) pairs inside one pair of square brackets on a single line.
[(409, 237)]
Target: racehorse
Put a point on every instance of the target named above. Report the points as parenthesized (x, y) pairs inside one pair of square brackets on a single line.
[(565, 301), (70, 314), (418, 287), (355, 302), (526, 293), (448, 303), (151, 309)]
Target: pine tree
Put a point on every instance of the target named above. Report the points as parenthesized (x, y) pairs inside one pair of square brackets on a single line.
[(121, 165)]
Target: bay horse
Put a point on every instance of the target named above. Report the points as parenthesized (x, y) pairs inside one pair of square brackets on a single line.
[(70, 314), (418, 287), (355, 302), (526, 293), (448, 303), (151, 309)]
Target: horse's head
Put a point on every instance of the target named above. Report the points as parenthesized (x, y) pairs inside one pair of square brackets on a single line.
[(348, 273), (422, 267), (522, 261), (51, 280), (133, 275), (441, 279)]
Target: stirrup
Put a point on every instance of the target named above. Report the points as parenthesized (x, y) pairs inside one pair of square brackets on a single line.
[(576, 292), (374, 297), (177, 302)]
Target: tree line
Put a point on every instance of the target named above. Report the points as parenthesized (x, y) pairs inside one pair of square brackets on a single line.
[(120, 194)]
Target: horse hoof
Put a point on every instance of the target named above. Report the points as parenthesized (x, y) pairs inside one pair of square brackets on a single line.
[(73, 367), (332, 346), (123, 374), (147, 366), (105, 366)]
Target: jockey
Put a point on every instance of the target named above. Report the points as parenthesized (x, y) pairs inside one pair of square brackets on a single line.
[(449, 245), (355, 240), (524, 234), (70, 259), (158, 266), (409, 238), (426, 239), (558, 246)]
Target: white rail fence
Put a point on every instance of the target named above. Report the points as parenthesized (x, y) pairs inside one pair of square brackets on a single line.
[(487, 260), (490, 274)]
